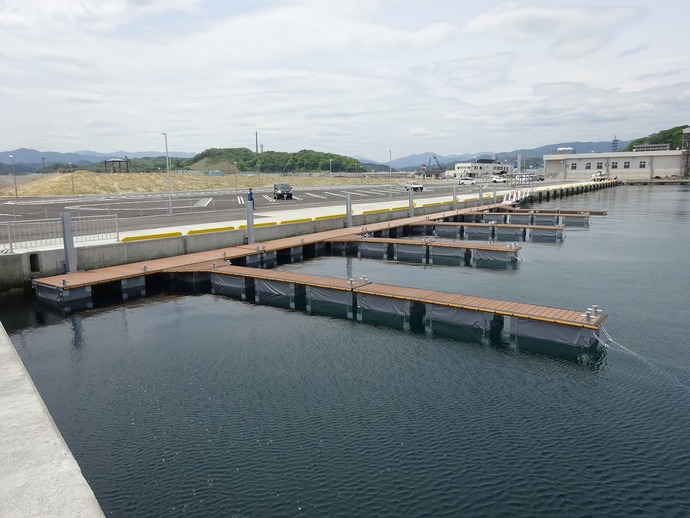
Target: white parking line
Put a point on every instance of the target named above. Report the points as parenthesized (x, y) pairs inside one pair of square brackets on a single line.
[(240, 200), (315, 195), (203, 202), (335, 194)]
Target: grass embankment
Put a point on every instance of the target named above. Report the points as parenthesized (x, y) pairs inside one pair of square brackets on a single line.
[(86, 182)]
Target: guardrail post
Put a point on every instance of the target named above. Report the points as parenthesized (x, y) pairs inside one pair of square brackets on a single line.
[(250, 221), (348, 210), (9, 237), (410, 199), (68, 241)]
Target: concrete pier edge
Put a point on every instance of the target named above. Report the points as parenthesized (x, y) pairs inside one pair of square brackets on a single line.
[(40, 476)]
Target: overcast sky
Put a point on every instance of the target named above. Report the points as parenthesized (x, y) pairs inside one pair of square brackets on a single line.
[(354, 77)]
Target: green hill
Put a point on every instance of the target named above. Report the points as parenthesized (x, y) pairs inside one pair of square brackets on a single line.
[(673, 136)]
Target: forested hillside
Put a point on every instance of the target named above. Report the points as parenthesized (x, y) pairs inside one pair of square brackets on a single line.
[(673, 136), (227, 159)]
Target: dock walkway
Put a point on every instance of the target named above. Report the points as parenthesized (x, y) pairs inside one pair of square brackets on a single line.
[(535, 312), (226, 271)]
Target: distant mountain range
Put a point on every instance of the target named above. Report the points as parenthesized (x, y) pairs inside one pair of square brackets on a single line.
[(27, 160), (32, 157), (447, 161)]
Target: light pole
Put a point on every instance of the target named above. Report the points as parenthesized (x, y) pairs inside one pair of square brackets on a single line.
[(330, 166), (71, 173), (14, 174), (390, 173), (167, 168), (236, 171)]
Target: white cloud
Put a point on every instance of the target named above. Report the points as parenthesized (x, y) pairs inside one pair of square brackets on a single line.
[(354, 77), (574, 31), (89, 14)]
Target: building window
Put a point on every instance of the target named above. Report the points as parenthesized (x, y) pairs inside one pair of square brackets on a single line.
[(643, 164), (626, 165), (573, 166), (588, 165), (614, 165), (600, 165)]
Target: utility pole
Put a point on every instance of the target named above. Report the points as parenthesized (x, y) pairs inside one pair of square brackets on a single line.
[(14, 174), (167, 167)]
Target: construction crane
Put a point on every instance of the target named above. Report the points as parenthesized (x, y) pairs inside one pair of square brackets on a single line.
[(440, 167)]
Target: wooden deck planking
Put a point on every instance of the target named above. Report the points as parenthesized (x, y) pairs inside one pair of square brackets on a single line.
[(503, 307), (276, 275), (522, 310)]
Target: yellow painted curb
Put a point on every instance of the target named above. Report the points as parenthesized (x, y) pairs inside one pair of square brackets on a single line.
[(434, 204), (265, 224), (330, 216), (300, 220), (204, 230), (151, 236), (373, 211)]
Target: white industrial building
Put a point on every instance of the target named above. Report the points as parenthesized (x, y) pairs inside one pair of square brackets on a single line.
[(645, 162), (482, 168)]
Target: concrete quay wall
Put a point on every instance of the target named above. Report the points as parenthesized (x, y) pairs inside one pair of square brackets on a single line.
[(40, 477), (17, 270)]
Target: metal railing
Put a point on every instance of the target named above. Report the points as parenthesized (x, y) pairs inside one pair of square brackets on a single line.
[(48, 232)]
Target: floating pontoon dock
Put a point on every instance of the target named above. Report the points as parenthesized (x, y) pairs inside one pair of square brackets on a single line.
[(442, 313), (580, 219), (490, 231), (427, 251), (592, 212), (245, 272)]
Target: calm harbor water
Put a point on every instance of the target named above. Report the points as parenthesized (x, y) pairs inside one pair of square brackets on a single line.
[(207, 406)]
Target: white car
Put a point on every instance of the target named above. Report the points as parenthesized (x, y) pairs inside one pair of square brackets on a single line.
[(498, 179), (467, 181), (414, 186)]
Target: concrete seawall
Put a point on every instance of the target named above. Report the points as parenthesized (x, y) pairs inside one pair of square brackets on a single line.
[(18, 269), (40, 477)]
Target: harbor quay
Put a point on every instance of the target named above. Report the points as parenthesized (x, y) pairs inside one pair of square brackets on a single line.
[(41, 477)]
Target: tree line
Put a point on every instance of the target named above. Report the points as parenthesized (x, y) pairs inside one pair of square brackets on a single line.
[(673, 136), (228, 160), (277, 161)]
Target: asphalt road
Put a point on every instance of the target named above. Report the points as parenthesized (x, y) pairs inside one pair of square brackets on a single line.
[(137, 211)]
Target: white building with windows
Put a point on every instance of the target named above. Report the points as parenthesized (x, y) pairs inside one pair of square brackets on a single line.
[(626, 165), (482, 168)]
